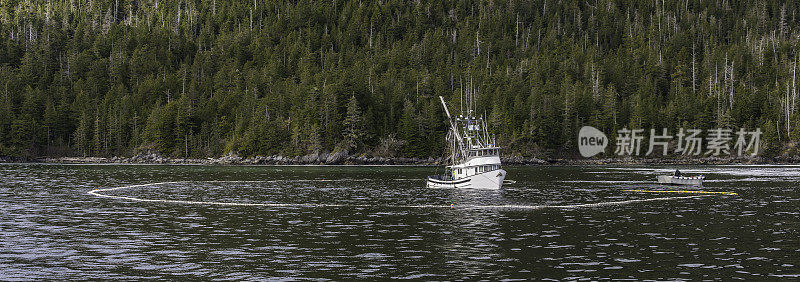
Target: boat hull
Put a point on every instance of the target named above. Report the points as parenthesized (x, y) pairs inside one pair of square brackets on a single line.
[(487, 180), (681, 180)]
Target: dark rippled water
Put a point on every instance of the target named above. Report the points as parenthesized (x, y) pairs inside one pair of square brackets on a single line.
[(350, 223)]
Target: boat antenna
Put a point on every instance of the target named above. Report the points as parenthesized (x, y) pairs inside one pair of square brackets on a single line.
[(485, 129), (461, 99), (471, 96)]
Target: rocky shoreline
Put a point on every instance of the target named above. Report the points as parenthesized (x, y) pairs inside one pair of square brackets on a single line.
[(342, 158), (314, 159)]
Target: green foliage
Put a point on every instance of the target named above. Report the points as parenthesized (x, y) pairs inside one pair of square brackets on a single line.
[(353, 127), (205, 78)]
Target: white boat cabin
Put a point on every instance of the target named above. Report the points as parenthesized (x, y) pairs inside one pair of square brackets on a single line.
[(478, 161)]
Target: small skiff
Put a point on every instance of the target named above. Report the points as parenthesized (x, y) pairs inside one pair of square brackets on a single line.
[(681, 180)]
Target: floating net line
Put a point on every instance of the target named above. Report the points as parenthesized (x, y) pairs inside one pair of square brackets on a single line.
[(100, 193)]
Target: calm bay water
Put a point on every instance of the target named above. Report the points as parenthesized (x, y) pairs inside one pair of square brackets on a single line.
[(361, 226)]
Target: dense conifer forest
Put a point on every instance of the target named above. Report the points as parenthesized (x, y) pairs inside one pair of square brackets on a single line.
[(191, 78)]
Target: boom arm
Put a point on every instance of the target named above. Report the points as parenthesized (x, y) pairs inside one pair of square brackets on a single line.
[(456, 134), (445, 108)]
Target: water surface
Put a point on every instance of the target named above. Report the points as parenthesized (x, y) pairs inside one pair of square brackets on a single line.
[(51, 227)]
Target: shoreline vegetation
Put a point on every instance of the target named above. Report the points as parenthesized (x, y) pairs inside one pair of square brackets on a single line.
[(342, 158), (199, 79)]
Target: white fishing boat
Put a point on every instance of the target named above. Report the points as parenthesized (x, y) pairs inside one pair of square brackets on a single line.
[(678, 179), (474, 158)]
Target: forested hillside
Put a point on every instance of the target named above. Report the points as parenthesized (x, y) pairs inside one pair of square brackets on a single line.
[(206, 78)]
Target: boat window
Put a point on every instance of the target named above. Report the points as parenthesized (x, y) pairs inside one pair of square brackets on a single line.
[(459, 171)]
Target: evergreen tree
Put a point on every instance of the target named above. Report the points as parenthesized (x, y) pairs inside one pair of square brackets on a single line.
[(409, 131), (353, 125)]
